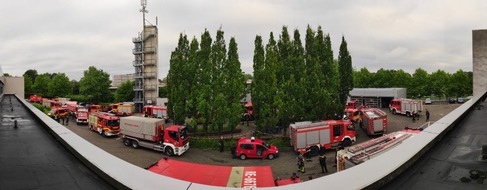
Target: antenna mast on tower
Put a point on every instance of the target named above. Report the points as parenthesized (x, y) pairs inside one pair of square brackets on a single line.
[(143, 3)]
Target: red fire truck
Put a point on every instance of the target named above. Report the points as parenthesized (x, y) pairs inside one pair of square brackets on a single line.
[(351, 104), (151, 133), (104, 123), (249, 112), (406, 106), (94, 108), (155, 112), (373, 121), (35, 99), (326, 134), (72, 108), (123, 109), (82, 116)]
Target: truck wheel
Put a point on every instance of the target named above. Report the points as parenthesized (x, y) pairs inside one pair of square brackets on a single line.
[(271, 156), (105, 133), (124, 114), (346, 142), (408, 114), (314, 150), (169, 151), (394, 112), (243, 157), (135, 144), (126, 142)]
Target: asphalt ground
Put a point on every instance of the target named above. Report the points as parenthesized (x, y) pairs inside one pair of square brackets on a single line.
[(30, 158)]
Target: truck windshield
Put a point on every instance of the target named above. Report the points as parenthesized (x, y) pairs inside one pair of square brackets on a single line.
[(184, 133), (113, 123), (82, 114)]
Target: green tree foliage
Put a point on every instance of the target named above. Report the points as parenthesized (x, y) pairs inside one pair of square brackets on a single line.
[(258, 90), (75, 87), (438, 83), (41, 85), (95, 84), (458, 85), (6, 75), (60, 86), (163, 91), (194, 73), (218, 80), (383, 78), (345, 72), (125, 92), (176, 81), (28, 85), (205, 78), (363, 78), (401, 79), (419, 84), (233, 85), (32, 73)]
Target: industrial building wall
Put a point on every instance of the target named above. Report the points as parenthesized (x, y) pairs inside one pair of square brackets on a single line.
[(14, 85), (151, 90), (119, 79), (479, 49)]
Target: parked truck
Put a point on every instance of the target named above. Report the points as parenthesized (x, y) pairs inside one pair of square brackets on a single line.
[(319, 136), (406, 107), (35, 99), (248, 115), (153, 134), (104, 123), (359, 153), (123, 108), (82, 116), (373, 121), (155, 112)]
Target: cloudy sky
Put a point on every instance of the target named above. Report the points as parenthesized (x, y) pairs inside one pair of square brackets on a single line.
[(69, 36)]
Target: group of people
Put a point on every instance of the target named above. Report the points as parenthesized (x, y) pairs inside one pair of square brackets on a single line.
[(307, 155)]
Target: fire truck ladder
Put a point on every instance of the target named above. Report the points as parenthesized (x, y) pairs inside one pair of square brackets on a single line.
[(308, 124), (365, 151)]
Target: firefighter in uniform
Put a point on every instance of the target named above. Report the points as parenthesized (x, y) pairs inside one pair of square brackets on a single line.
[(307, 154), (300, 163)]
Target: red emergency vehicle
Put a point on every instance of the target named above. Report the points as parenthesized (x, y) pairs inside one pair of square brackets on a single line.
[(317, 135), (82, 116), (35, 99), (406, 107), (254, 148), (104, 123), (155, 112), (152, 133), (94, 108), (248, 115), (122, 109), (373, 121)]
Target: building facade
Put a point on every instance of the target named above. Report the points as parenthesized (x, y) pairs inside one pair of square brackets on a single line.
[(146, 71)]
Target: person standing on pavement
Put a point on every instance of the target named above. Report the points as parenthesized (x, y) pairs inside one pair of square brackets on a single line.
[(427, 115), (307, 154), (222, 144), (300, 163), (323, 163)]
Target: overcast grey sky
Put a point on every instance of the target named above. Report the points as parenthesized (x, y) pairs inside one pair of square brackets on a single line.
[(69, 36)]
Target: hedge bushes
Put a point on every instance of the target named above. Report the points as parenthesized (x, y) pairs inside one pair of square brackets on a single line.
[(42, 108)]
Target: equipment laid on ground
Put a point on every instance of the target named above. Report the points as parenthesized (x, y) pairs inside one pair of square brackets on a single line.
[(359, 153), (151, 133), (321, 135)]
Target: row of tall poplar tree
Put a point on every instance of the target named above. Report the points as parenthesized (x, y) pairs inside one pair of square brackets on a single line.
[(291, 82)]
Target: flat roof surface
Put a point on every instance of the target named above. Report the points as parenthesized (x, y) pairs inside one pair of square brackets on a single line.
[(30, 158), (450, 159)]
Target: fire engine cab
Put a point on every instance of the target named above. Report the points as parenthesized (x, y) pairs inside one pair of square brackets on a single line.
[(104, 123)]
